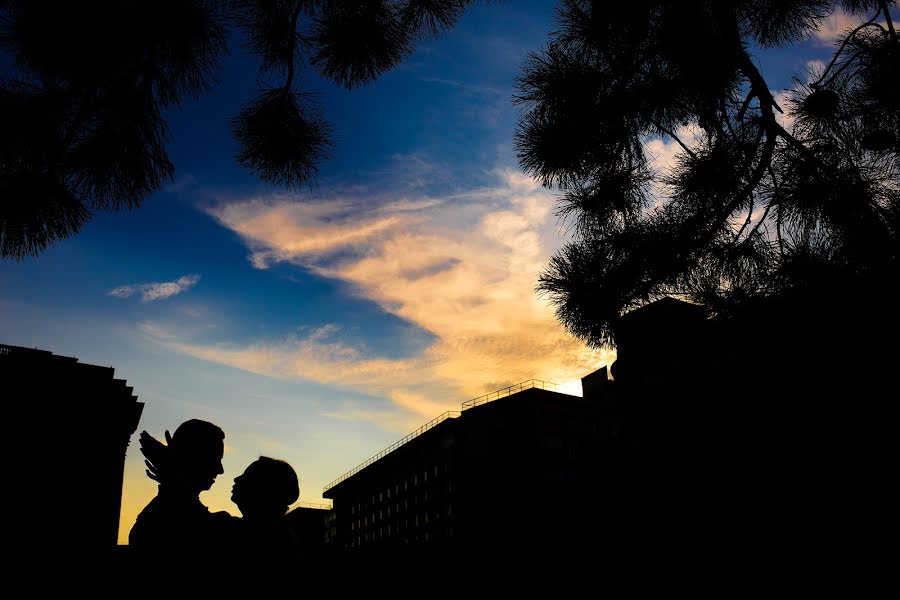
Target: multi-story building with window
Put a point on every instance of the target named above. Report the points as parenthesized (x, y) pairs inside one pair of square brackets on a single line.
[(513, 469), (717, 440), (529, 470)]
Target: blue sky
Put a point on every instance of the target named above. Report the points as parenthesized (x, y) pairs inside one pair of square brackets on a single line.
[(322, 325)]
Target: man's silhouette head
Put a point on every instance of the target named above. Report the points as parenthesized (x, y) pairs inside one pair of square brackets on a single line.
[(267, 487), (196, 449)]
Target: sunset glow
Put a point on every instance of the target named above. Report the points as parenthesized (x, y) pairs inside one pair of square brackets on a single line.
[(322, 324)]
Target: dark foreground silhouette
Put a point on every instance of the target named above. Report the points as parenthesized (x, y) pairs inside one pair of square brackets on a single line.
[(263, 493), (179, 540), (690, 470), (175, 522)]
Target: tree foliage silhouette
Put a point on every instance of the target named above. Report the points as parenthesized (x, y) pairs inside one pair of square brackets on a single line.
[(86, 84), (751, 208)]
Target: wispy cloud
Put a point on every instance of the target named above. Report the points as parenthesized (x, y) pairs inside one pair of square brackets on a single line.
[(474, 88), (832, 28), (834, 25), (155, 290), (462, 267), (183, 183)]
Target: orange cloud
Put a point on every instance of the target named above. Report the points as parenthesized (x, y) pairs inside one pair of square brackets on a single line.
[(835, 25), (463, 268)]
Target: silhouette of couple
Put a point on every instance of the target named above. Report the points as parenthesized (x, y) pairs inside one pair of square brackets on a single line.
[(176, 529)]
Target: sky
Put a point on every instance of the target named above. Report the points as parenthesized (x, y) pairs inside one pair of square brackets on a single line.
[(322, 325)]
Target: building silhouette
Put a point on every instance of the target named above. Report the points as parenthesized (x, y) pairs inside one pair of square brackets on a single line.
[(529, 472), (68, 429), (487, 479), (309, 523), (534, 474), (700, 434), (723, 433)]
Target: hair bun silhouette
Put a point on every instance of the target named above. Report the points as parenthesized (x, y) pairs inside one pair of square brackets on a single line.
[(268, 485)]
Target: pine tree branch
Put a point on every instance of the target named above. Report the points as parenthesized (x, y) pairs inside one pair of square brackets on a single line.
[(77, 122), (840, 69), (674, 137), (887, 16), (765, 214), (770, 128), (760, 90), (294, 17), (759, 223), (786, 136), (844, 43), (746, 222), (744, 106), (778, 234), (879, 209)]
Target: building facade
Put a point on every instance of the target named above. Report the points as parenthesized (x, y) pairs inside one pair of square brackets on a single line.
[(491, 478), (735, 435), (68, 426)]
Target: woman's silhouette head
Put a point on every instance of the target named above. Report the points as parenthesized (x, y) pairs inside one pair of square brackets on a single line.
[(267, 487)]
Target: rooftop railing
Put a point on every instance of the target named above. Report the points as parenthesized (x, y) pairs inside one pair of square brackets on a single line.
[(508, 391), (450, 414), (319, 505)]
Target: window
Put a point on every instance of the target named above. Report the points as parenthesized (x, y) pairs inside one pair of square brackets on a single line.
[(552, 441)]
